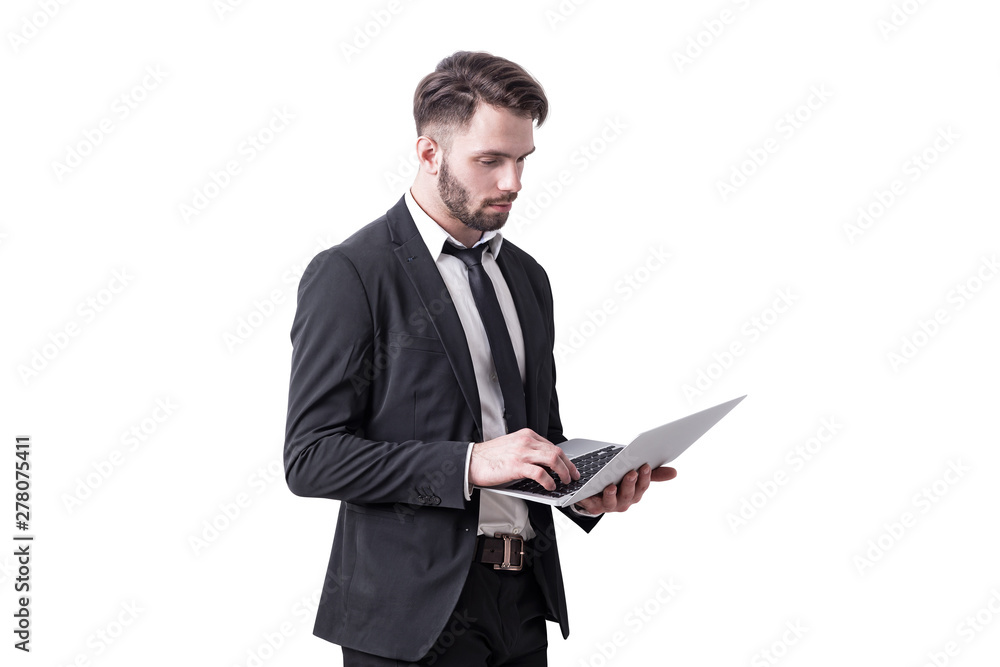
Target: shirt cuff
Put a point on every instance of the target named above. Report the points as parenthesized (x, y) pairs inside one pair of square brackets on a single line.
[(468, 462), (580, 512)]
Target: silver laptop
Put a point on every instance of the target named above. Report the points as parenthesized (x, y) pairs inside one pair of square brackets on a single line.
[(603, 463)]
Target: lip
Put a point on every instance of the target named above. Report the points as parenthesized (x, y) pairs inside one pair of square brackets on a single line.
[(500, 207)]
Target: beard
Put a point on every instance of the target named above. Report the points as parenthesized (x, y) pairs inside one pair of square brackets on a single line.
[(457, 200)]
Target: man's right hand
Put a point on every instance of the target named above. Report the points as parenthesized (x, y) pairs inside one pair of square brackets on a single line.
[(518, 455)]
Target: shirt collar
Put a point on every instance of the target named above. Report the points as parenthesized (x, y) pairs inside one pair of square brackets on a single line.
[(434, 235)]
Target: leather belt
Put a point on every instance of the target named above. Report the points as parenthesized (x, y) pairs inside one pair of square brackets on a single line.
[(504, 552)]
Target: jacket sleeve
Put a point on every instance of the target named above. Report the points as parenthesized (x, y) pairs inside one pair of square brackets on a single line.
[(326, 454)]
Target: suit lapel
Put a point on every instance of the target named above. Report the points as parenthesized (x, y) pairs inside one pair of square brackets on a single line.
[(413, 256)]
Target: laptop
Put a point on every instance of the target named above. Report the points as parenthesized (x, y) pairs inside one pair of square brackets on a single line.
[(602, 463)]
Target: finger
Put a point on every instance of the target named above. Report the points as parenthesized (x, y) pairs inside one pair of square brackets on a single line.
[(663, 473), (642, 484), (626, 490), (555, 458), (540, 475), (644, 479), (609, 499), (574, 473)]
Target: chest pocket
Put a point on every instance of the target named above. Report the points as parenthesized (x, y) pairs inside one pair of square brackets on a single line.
[(405, 341)]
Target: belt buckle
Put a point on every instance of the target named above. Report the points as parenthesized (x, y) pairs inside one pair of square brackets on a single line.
[(510, 548)]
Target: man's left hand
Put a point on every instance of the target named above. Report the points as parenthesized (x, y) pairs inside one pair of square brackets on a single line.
[(618, 498)]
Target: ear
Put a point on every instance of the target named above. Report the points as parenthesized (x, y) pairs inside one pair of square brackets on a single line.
[(429, 155)]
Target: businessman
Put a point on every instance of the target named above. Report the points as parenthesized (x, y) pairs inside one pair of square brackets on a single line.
[(422, 369)]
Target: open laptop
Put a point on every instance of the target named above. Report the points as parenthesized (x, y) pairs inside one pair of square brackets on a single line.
[(603, 463)]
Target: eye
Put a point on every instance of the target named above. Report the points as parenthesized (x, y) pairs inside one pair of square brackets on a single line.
[(487, 162)]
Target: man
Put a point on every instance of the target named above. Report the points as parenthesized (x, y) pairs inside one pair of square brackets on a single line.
[(422, 369)]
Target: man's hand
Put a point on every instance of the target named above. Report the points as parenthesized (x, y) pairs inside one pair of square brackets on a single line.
[(517, 455), (629, 492)]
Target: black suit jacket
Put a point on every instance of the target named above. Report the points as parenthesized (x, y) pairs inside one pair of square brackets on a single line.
[(382, 407)]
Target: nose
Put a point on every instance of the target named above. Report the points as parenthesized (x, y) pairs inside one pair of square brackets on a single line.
[(510, 180)]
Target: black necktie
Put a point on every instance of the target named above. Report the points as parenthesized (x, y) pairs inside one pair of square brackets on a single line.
[(496, 332)]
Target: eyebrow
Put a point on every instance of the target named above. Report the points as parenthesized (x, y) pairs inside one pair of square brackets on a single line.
[(500, 153)]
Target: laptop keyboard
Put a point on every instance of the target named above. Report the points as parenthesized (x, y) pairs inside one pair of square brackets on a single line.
[(587, 465)]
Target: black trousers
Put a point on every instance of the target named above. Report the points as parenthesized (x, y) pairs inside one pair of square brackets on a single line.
[(498, 620)]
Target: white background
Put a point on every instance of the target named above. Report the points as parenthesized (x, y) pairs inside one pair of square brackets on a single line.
[(815, 552)]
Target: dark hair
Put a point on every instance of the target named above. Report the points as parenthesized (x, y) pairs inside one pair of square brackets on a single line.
[(447, 98)]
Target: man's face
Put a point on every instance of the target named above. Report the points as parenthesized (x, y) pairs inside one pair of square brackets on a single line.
[(480, 172)]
